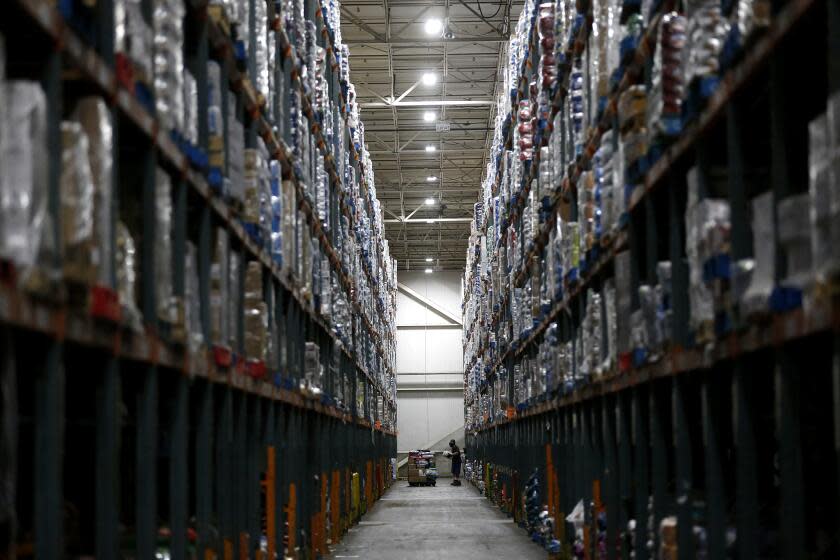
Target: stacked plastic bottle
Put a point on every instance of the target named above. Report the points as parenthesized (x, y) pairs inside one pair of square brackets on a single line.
[(325, 235), (533, 242)]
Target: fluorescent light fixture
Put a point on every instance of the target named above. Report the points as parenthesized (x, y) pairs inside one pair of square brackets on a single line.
[(429, 259), (430, 221), (430, 202), (429, 116), (429, 271), (430, 148), (429, 79), (433, 26), (431, 179)]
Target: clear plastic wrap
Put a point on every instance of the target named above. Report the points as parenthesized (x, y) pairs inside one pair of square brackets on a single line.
[(571, 247), (233, 300), (190, 108), (236, 154), (793, 217), (126, 276), (276, 85), (824, 190), (134, 38), (593, 332), (706, 32), (168, 17), (27, 228), (747, 17), (166, 307), (229, 7), (611, 319), (289, 226), (326, 300), (548, 64), (666, 91), (607, 186), (589, 209), (301, 262), (664, 313), (263, 76), (639, 341), (707, 238), (219, 278), (255, 319), (623, 301), (77, 193), (192, 298), (756, 297), (525, 130), (576, 111), (632, 113), (215, 118), (95, 119), (252, 186), (652, 337), (240, 15), (599, 37), (276, 212)]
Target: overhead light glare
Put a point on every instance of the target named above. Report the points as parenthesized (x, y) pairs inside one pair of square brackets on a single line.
[(431, 179), (433, 26), (429, 116), (430, 221), (429, 271), (429, 259), (430, 148), (429, 79), (430, 202)]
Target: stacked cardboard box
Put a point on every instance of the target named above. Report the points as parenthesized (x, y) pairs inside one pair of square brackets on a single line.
[(421, 467)]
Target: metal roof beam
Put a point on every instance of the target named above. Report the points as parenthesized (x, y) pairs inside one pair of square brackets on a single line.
[(427, 42), (456, 127), (427, 220), (363, 26), (429, 304), (433, 103), (498, 30), (409, 152)]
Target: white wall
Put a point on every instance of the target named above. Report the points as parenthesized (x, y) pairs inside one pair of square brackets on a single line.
[(430, 392)]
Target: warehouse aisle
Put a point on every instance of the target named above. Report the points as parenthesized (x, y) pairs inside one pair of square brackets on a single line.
[(440, 522)]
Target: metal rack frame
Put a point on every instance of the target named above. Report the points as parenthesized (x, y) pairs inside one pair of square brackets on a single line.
[(698, 431), (176, 436)]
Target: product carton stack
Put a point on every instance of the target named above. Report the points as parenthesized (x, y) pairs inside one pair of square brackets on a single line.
[(421, 468)]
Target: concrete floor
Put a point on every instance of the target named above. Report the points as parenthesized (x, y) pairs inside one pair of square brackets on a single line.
[(434, 523)]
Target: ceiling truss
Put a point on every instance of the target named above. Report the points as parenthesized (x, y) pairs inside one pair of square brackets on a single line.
[(389, 53)]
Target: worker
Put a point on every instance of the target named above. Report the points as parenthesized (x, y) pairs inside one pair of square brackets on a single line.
[(455, 454)]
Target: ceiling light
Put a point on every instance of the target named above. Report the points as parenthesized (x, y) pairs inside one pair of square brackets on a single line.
[(429, 79), (428, 271), (430, 221), (429, 259), (430, 202), (430, 148), (433, 26), (429, 116), (431, 179)]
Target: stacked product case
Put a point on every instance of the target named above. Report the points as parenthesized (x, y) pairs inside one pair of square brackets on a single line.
[(192, 199), (623, 234), (422, 469)]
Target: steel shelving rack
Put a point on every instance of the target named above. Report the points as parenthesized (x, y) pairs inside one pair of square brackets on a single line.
[(740, 438), (111, 434)]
